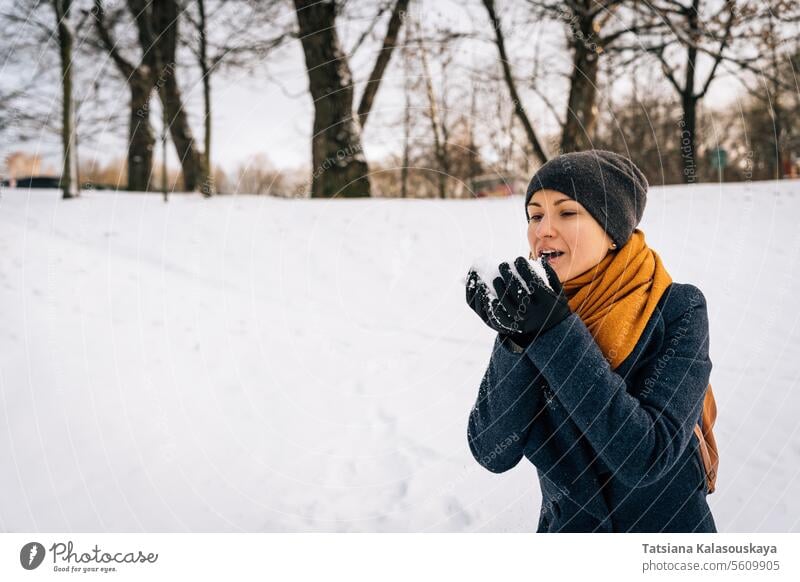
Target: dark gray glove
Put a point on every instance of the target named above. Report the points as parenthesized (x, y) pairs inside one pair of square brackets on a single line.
[(518, 312)]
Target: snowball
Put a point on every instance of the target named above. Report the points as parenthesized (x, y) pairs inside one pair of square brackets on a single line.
[(488, 269), (538, 268)]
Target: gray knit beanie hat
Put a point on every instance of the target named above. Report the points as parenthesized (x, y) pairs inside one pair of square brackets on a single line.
[(608, 185)]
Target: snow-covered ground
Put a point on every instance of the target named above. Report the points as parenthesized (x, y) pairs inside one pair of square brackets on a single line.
[(257, 364)]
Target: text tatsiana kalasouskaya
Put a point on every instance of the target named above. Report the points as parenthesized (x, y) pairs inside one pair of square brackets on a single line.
[(711, 548)]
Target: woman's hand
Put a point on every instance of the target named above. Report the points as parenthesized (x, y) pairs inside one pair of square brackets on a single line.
[(536, 309), (478, 297), (516, 311)]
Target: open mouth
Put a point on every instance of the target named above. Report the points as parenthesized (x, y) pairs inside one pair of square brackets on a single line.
[(550, 256)]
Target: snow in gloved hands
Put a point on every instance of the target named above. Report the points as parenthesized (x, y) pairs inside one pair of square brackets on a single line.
[(488, 269)]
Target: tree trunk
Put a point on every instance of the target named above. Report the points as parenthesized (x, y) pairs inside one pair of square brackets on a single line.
[(195, 176), (141, 140), (437, 126), (777, 131), (65, 39), (775, 109), (204, 69), (688, 125), (406, 54), (581, 115), (439, 143), (165, 24), (339, 166), (140, 79), (406, 144)]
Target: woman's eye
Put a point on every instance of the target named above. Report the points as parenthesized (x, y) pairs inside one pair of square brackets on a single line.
[(538, 217)]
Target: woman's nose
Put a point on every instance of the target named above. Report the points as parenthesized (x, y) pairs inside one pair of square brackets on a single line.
[(544, 228)]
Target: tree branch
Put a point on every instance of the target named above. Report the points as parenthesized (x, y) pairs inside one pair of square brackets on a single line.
[(385, 54), (721, 51), (125, 67), (519, 109)]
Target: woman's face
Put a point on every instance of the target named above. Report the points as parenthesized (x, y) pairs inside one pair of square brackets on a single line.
[(561, 223)]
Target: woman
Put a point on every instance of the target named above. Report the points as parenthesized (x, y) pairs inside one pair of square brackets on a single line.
[(603, 381)]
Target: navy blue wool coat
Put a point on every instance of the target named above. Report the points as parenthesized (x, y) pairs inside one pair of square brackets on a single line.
[(614, 450)]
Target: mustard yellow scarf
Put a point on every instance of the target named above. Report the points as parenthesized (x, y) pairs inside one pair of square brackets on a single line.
[(617, 297)]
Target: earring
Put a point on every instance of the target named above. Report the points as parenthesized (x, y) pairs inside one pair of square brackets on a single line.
[(613, 246), (530, 255)]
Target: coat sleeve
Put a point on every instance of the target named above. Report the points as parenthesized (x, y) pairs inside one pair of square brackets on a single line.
[(639, 438), (501, 418)]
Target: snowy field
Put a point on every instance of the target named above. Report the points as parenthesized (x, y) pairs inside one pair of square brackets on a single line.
[(257, 364)]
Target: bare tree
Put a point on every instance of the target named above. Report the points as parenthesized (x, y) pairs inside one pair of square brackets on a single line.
[(37, 78), (438, 126), (233, 35), (166, 19), (689, 28), (340, 168), (519, 108), (407, 90), (595, 28), (23, 15), (385, 54), (140, 75), (771, 32), (642, 126), (587, 20), (61, 8), (157, 26), (205, 69)]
